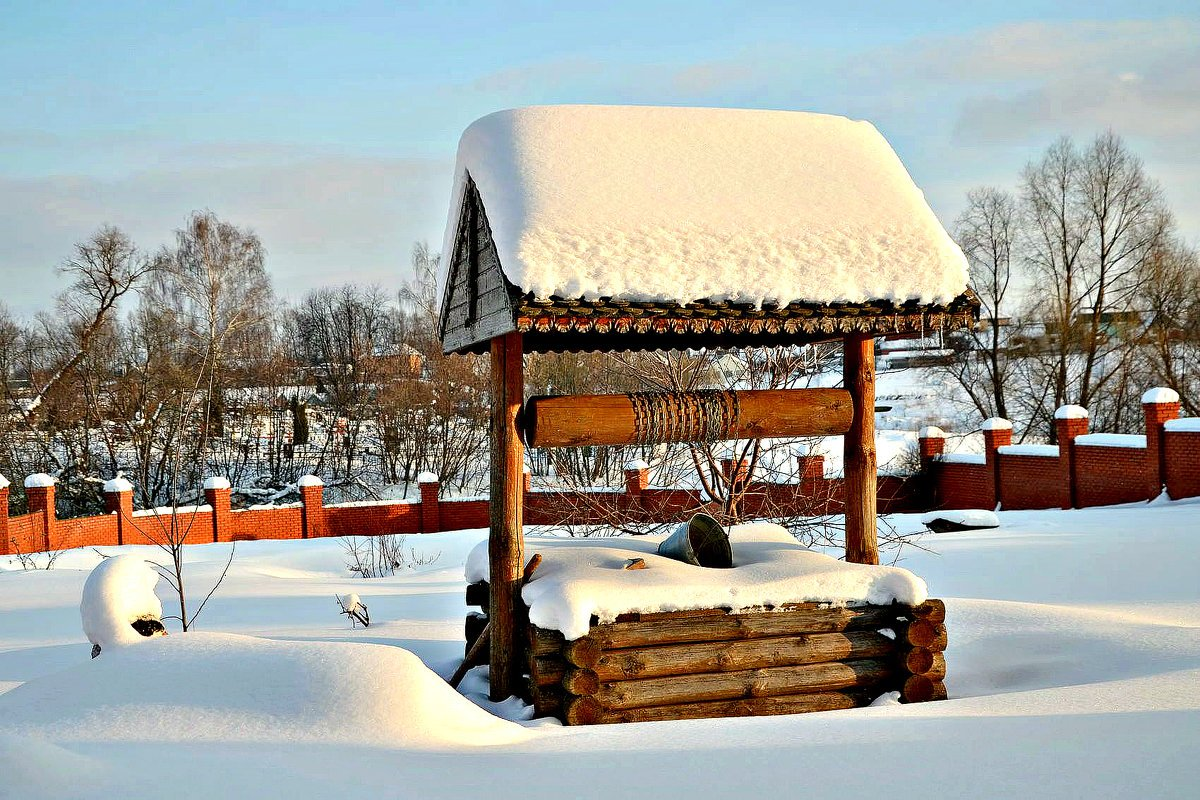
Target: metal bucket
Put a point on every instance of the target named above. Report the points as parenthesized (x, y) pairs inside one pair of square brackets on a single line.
[(700, 541)]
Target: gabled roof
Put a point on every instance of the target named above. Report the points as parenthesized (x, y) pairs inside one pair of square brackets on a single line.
[(604, 221)]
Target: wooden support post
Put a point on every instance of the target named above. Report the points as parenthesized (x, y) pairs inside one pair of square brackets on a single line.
[(505, 542), (858, 373)]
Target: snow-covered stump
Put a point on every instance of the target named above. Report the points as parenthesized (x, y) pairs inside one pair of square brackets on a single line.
[(119, 606)]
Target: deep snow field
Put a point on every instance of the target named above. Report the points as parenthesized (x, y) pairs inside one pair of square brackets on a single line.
[(1074, 671)]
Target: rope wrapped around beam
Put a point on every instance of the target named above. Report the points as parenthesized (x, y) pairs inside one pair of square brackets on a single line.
[(647, 418), (700, 416)]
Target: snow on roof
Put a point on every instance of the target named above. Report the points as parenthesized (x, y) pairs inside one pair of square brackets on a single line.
[(1160, 394), (638, 464), (962, 458), (931, 432), (579, 578), (216, 482), (39, 480), (309, 480), (996, 424), (427, 477), (1183, 425), (678, 204), (1071, 412)]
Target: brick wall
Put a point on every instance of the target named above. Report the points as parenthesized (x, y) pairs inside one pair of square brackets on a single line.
[(1182, 463), (1105, 476), (1084, 474), (1024, 480)]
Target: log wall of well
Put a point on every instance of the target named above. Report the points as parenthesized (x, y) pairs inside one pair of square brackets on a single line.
[(717, 663)]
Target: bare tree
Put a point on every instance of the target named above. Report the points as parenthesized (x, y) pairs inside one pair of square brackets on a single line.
[(987, 231)]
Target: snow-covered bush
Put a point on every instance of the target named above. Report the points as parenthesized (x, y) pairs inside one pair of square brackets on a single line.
[(119, 606)]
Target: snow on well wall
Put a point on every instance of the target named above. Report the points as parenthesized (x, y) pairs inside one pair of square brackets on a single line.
[(679, 204), (579, 578)]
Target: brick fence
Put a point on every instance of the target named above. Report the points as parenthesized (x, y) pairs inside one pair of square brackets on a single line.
[(215, 521), (1082, 470)]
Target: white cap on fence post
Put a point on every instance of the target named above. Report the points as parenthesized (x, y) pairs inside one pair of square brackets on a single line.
[(39, 480), (1160, 394), (117, 484)]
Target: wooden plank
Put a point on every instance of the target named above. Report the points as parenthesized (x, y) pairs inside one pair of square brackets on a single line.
[(732, 656), (858, 373), (611, 419), (506, 558), (751, 625), (765, 682), (748, 707)]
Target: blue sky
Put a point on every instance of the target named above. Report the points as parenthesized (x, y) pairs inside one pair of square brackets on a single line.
[(331, 128)]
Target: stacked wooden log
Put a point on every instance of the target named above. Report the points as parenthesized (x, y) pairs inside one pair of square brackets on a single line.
[(921, 635), (716, 663)]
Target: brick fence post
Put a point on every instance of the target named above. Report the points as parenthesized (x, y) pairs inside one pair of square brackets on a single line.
[(931, 443), (1158, 406), (997, 433), (1069, 422), (216, 494), (118, 499), (431, 505), (637, 477), (5, 538), (312, 508), (39, 494)]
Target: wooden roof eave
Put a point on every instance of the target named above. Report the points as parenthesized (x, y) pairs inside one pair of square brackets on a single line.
[(575, 325)]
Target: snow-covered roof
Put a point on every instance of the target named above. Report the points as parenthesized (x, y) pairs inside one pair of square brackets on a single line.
[(657, 204)]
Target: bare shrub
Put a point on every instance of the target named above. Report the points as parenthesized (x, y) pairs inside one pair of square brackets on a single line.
[(382, 556)]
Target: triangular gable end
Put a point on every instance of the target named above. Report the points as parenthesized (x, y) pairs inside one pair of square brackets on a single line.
[(476, 302)]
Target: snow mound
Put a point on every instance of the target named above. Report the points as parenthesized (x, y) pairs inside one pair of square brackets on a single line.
[(309, 480), (3, 482), (1134, 440), (119, 591), (996, 424), (39, 480), (1183, 425), (677, 204), (229, 688), (427, 477), (580, 578), (216, 482), (965, 517)]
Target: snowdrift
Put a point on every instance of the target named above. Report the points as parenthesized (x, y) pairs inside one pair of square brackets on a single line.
[(229, 688)]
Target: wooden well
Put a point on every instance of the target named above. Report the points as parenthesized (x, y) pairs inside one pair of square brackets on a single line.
[(717, 663)]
